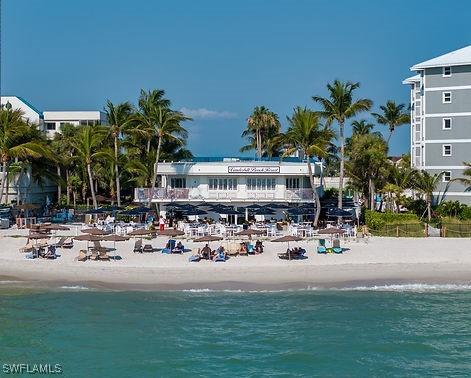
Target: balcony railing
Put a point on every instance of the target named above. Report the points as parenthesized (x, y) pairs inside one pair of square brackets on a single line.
[(143, 194), (298, 194)]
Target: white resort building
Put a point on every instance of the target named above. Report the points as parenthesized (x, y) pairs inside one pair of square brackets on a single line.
[(233, 181)]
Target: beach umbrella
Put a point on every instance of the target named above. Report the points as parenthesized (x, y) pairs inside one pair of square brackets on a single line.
[(276, 205), (288, 239), (115, 238), (37, 237), (254, 206), (94, 231), (331, 231), (339, 213), (250, 232), (170, 232), (56, 227), (139, 210), (263, 211), (194, 212), (89, 238), (141, 232)]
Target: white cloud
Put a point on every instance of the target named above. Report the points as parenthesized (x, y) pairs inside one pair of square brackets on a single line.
[(202, 113)]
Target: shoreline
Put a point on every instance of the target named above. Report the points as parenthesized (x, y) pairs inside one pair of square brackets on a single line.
[(380, 262)]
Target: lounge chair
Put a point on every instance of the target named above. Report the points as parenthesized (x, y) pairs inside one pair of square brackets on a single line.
[(94, 255), (220, 256), (69, 243), (97, 246), (138, 246), (61, 242), (27, 248), (83, 256), (148, 248), (321, 248), (103, 256), (298, 253), (285, 256), (336, 246)]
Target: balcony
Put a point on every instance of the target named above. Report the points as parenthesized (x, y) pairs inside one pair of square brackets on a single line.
[(143, 194)]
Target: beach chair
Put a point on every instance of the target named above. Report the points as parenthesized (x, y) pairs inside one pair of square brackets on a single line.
[(250, 248), (61, 242), (68, 243), (148, 248), (298, 254), (321, 248), (285, 255), (138, 246), (220, 256), (242, 251), (29, 247), (83, 256), (336, 246), (94, 256), (103, 256)]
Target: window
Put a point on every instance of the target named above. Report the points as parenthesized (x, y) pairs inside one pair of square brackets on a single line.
[(178, 182), (446, 124), (261, 183), (446, 177), (292, 183), (50, 125), (446, 97), (446, 71), (447, 150), (222, 184)]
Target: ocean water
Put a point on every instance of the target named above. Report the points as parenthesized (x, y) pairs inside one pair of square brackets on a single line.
[(410, 330)]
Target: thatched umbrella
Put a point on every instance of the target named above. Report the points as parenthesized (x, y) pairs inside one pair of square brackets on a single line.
[(141, 232), (288, 239), (115, 238), (250, 232), (172, 232), (95, 231), (89, 238), (37, 236)]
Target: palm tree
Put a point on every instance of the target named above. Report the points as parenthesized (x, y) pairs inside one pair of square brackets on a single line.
[(118, 118), (393, 116), (17, 141), (305, 133), (339, 107), (262, 125), (425, 183), (466, 180), (362, 127), (166, 126), (87, 146)]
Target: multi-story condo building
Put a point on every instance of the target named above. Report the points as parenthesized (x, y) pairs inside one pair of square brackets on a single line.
[(441, 119), (22, 187)]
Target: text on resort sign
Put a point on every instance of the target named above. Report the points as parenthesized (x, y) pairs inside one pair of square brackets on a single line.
[(257, 170)]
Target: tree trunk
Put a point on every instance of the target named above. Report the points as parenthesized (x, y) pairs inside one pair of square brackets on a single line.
[(154, 176), (4, 173), (342, 163), (259, 144), (92, 189), (68, 186), (59, 187), (314, 192), (148, 146), (389, 137), (372, 194), (429, 208), (74, 195), (7, 185), (116, 171)]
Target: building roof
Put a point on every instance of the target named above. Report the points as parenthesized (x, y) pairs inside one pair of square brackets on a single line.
[(455, 58), (289, 159), (411, 80)]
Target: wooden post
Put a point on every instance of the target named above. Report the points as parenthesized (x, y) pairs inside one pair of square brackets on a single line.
[(397, 231)]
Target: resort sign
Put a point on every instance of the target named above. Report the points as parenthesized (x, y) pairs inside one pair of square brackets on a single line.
[(253, 169)]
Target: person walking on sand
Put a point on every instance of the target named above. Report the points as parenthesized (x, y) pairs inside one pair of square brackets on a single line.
[(161, 223)]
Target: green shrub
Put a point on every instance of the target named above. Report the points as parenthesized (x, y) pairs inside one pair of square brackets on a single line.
[(376, 220)]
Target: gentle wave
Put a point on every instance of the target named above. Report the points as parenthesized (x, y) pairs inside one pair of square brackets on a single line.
[(6, 282), (395, 287), (410, 287), (77, 287)]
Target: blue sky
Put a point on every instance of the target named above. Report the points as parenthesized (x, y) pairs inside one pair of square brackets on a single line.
[(219, 59)]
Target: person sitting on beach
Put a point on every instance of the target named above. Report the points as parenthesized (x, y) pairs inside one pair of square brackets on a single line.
[(258, 247), (206, 252), (220, 254), (179, 246)]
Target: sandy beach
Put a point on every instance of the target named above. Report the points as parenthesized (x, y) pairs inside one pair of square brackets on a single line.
[(380, 261)]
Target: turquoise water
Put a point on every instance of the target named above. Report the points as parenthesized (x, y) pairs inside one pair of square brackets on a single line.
[(299, 333)]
